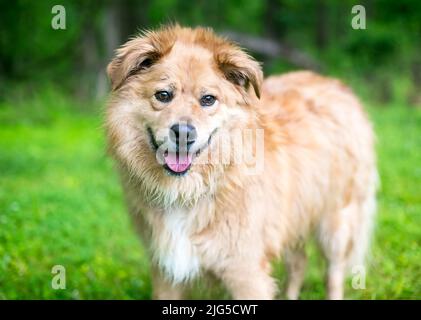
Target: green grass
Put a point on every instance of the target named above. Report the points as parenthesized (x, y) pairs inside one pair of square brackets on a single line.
[(61, 204)]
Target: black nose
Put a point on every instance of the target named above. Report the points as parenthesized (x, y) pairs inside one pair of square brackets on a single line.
[(184, 135)]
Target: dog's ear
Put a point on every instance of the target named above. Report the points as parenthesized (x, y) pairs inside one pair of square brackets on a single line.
[(240, 68), (133, 57), (137, 56)]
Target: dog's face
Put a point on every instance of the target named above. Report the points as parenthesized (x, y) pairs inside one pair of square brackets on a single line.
[(178, 92)]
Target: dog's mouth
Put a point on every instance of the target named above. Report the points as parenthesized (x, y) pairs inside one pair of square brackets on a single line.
[(180, 161)]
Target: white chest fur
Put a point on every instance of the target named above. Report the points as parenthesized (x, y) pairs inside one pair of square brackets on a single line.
[(174, 251)]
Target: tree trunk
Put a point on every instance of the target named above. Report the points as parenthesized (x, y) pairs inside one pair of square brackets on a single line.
[(414, 99), (322, 24)]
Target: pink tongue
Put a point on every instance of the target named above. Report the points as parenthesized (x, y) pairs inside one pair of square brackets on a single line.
[(178, 162)]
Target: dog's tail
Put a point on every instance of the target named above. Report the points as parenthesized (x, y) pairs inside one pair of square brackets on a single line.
[(363, 233)]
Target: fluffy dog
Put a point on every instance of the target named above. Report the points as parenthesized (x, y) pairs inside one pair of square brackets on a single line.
[(182, 100)]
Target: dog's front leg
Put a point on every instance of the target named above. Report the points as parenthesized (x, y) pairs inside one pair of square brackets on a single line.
[(249, 282), (163, 289)]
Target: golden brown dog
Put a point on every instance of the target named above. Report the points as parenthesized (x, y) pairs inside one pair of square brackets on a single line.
[(224, 172)]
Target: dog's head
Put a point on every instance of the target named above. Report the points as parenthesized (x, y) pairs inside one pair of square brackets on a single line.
[(178, 92)]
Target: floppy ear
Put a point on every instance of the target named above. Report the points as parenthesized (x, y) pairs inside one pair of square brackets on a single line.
[(240, 69), (134, 57)]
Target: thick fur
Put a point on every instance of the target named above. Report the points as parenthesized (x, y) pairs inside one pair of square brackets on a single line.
[(319, 173)]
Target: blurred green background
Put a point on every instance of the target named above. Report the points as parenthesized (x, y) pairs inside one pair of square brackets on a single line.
[(60, 199)]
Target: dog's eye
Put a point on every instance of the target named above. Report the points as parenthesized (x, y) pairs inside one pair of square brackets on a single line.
[(207, 100), (163, 96)]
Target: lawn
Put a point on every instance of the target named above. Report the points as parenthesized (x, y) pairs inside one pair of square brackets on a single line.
[(61, 204)]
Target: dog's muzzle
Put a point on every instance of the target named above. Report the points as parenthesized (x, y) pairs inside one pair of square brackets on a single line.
[(177, 155)]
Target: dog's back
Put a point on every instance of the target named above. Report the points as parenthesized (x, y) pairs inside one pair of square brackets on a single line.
[(319, 126)]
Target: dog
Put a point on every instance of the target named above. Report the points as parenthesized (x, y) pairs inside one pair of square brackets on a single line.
[(180, 96)]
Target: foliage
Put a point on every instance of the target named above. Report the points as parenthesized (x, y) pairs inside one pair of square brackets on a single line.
[(31, 51)]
